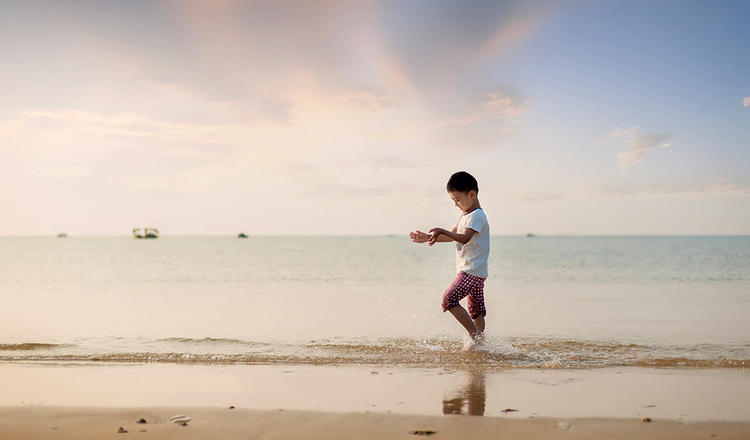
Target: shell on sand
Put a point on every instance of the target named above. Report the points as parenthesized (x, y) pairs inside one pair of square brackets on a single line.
[(180, 420)]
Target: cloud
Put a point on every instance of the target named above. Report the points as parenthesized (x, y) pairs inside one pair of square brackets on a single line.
[(438, 43), (132, 152), (256, 50), (638, 147), (485, 125), (498, 105), (619, 133), (225, 68), (115, 148), (746, 101), (382, 54), (371, 96), (75, 132)]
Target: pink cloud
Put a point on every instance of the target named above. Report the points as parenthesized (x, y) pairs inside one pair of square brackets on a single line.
[(619, 133), (638, 147), (498, 105)]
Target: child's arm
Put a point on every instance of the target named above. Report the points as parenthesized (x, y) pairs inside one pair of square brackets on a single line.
[(442, 235)]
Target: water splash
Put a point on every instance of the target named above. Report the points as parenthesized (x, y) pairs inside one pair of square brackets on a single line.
[(439, 352)]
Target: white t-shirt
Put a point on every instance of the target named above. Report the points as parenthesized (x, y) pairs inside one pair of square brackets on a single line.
[(472, 256)]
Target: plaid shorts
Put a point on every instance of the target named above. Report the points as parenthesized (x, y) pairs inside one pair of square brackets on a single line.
[(466, 285)]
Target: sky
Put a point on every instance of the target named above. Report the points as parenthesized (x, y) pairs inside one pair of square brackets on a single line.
[(331, 117)]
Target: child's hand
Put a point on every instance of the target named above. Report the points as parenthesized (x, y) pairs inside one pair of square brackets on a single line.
[(419, 237), (434, 234)]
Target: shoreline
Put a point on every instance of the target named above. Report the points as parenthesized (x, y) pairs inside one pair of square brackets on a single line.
[(37, 423)]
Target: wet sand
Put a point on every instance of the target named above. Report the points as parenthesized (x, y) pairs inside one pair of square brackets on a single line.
[(36, 423), (667, 394), (41, 401)]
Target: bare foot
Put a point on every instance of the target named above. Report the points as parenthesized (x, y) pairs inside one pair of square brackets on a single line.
[(474, 342)]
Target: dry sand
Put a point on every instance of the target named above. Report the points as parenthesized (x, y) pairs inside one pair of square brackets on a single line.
[(37, 423)]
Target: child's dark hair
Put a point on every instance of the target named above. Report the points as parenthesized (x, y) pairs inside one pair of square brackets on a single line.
[(462, 182)]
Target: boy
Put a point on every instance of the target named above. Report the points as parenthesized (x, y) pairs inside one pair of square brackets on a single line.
[(472, 237)]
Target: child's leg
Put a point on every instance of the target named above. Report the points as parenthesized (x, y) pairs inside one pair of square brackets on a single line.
[(477, 309), (463, 317), (479, 322)]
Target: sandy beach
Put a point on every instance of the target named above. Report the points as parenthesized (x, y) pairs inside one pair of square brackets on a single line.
[(32, 423), (369, 402)]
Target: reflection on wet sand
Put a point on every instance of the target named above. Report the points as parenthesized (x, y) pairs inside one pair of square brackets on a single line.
[(469, 399)]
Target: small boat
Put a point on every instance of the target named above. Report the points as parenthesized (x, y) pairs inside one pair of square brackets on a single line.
[(147, 233), (241, 235), (62, 235), (530, 235)]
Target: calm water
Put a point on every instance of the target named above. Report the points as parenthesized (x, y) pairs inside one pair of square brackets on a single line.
[(568, 302)]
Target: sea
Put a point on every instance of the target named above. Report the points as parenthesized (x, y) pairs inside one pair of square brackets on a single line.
[(553, 302)]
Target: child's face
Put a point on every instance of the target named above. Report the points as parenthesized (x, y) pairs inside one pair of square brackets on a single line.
[(464, 200)]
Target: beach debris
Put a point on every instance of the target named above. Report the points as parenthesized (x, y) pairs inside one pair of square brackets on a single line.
[(180, 420), (142, 421), (423, 432), (564, 425), (650, 406), (508, 410), (122, 430), (231, 407), (648, 420)]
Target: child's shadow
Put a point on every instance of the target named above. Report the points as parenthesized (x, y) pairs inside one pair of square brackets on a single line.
[(469, 399)]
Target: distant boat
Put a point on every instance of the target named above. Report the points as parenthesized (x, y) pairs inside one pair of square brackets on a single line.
[(241, 235), (147, 233), (530, 235), (62, 235)]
